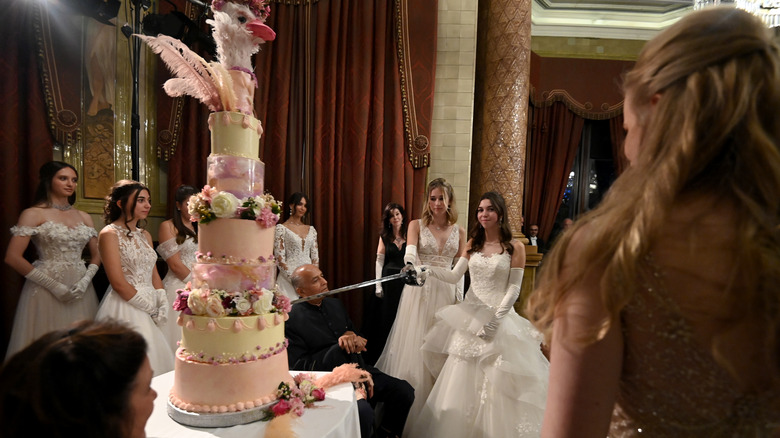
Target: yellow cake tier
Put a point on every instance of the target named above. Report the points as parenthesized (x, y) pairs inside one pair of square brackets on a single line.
[(234, 133), (231, 339)]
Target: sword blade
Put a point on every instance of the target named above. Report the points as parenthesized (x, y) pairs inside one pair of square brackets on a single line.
[(350, 287)]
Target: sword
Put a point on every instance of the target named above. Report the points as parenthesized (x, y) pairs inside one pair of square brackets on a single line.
[(355, 286)]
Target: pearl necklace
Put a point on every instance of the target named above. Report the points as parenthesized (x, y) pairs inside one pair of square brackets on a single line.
[(65, 207)]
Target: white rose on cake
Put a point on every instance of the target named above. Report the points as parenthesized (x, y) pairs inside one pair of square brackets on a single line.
[(243, 306), (264, 304), (197, 301), (224, 205)]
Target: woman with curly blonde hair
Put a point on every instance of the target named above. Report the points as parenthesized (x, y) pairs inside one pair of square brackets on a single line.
[(658, 323)]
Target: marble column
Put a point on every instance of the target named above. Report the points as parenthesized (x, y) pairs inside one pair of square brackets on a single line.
[(501, 104), (501, 115)]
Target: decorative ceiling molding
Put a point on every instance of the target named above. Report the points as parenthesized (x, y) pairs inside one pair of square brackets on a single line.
[(633, 20)]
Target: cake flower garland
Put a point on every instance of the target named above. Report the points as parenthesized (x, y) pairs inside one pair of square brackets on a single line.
[(218, 303), (211, 204), (293, 399)]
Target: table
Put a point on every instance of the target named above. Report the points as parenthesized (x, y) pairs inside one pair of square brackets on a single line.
[(334, 417)]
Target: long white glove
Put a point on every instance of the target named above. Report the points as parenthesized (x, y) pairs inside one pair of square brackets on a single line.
[(380, 263), (512, 292), (450, 276), (145, 299), (59, 290), (80, 288), (162, 308), (410, 256)]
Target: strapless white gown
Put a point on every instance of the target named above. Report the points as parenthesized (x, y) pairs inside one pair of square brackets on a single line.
[(483, 388), (171, 283), (59, 256), (138, 259)]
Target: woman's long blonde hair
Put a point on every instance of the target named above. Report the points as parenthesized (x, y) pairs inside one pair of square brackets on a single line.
[(714, 132), (449, 199)]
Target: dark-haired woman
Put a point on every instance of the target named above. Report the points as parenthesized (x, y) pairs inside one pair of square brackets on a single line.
[(491, 373), (178, 245), (89, 381), (389, 261), (58, 289), (136, 295), (295, 243)]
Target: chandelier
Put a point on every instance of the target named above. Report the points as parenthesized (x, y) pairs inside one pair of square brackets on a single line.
[(766, 10)]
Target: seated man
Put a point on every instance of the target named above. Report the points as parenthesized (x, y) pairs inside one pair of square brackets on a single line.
[(321, 338)]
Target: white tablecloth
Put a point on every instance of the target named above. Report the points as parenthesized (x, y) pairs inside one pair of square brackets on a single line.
[(334, 417)]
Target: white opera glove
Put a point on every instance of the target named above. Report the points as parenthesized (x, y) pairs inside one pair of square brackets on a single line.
[(512, 293), (80, 288), (59, 290), (145, 299), (162, 308), (447, 275), (411, 254), (188, 278), (380, 263)]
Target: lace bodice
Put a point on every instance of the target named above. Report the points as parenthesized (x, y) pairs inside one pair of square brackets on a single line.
[(489, 277), (136, 255), (428, 248), (57, 243), (291, 251), (186, 250), (671, 386)]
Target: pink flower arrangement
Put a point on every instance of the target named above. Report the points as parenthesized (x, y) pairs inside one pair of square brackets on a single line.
[(217, 302), (282, 303), (294, 399), (211, 204)]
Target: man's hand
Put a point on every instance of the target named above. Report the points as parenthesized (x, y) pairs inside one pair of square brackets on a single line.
[(352, 343)]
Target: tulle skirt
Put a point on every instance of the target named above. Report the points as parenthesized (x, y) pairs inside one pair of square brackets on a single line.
[(483, 388), (39, 312), (402, 356), (171, 329), (158, 350)]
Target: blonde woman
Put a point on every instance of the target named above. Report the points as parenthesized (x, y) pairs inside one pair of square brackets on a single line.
[(434, 240), (660, 324)]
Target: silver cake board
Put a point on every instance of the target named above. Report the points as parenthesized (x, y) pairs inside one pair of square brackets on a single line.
[(226, 419)]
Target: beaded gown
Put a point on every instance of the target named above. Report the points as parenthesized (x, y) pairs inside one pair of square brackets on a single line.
[(671, 386), (290, 252), (402, 355), (59, 250), (137, 258), (495, 388), (171, 282)]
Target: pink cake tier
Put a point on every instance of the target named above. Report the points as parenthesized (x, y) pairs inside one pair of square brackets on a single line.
[(229, 364), (236, 240)]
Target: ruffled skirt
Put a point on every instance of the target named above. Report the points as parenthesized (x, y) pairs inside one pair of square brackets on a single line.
[(483, 388)]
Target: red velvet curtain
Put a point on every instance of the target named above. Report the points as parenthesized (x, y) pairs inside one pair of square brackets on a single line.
[(25, 139), (553, 138)]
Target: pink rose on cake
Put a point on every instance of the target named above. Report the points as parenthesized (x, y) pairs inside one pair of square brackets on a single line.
[(225, 204), (180, 303), (282, 303), (214, 307), (267, 218)]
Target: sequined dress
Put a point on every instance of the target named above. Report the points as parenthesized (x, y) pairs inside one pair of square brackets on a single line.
[(671, 386), (171, 282), (402, 356), (59, 250), (483, 388), (291, 251), (137, 258)]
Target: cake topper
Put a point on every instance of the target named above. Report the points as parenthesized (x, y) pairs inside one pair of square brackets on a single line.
[(229, 83)]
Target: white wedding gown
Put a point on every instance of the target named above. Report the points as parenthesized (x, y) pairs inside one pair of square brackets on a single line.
[(59, 250), (483, 388), (292, 251), (138, 259), (171, 283), (402, 356)]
